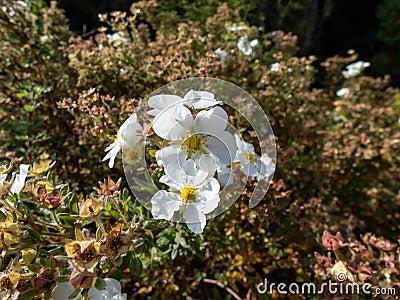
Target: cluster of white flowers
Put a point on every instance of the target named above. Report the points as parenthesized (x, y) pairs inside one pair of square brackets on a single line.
[(355, 69), (198, 155), (244, 44), (112, 38)]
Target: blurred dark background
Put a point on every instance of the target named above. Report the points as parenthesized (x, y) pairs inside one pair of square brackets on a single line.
[(324, 27)]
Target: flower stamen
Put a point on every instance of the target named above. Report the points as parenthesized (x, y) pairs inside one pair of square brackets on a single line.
[(193, 144), (250, 157), (188, 194)]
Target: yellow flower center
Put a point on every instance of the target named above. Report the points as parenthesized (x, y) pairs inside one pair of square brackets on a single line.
[(188, 194), (250, 157), (193, 144)]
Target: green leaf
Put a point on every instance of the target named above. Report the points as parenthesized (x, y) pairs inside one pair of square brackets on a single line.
[(74, 293), (99, 234), (73, 205), (34, 268), (174, 253), (61, 279), (135, 266), (27, 295), (28, 255), (79, 235), (100, 284)]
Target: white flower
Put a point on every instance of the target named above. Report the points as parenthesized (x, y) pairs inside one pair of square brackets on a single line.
[(275, 67), (235, 28), (19, 181), (246, 46), (267, 168), (221, 53), (3, 188), (355, 69), (193, 99), (342, 92), (128, 136), (22, 3), (112, 291), (253, 165), (203, 135), (340, 118), (191, 191), (116, 37)]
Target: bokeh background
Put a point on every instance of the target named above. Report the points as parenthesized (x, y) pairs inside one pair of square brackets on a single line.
[(324, 27)]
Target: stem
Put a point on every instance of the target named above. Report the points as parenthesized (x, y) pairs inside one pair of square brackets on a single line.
[(53, 213), (227, 288), (98, 223), (120, 211), (8, 204), (47, 224)]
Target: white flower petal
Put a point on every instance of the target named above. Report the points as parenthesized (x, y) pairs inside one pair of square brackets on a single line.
[(19, 181), (244, 45), (2, 178), (173, 185), (225, 176), (160, 102), (209, 190), (251, 169), (208, 164), (200, 99), (240, 158), (243, 147), (254, 43), (186, 174), (130, 135), (153, 112), (63, 290), (173, 123), (223, 147), (170, 154), (267, 167), (112, 291), (211, 205), (211, 121), (221, 53), (342, 92), (164, 205), (194, 217), (113, 150)]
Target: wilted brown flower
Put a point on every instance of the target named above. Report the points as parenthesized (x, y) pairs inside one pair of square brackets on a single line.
[(91, 208), (46, 276), (51, 201), (9, 233), (83, 279), (84, 254), (108, 188), (41, 167), (116, 241)]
